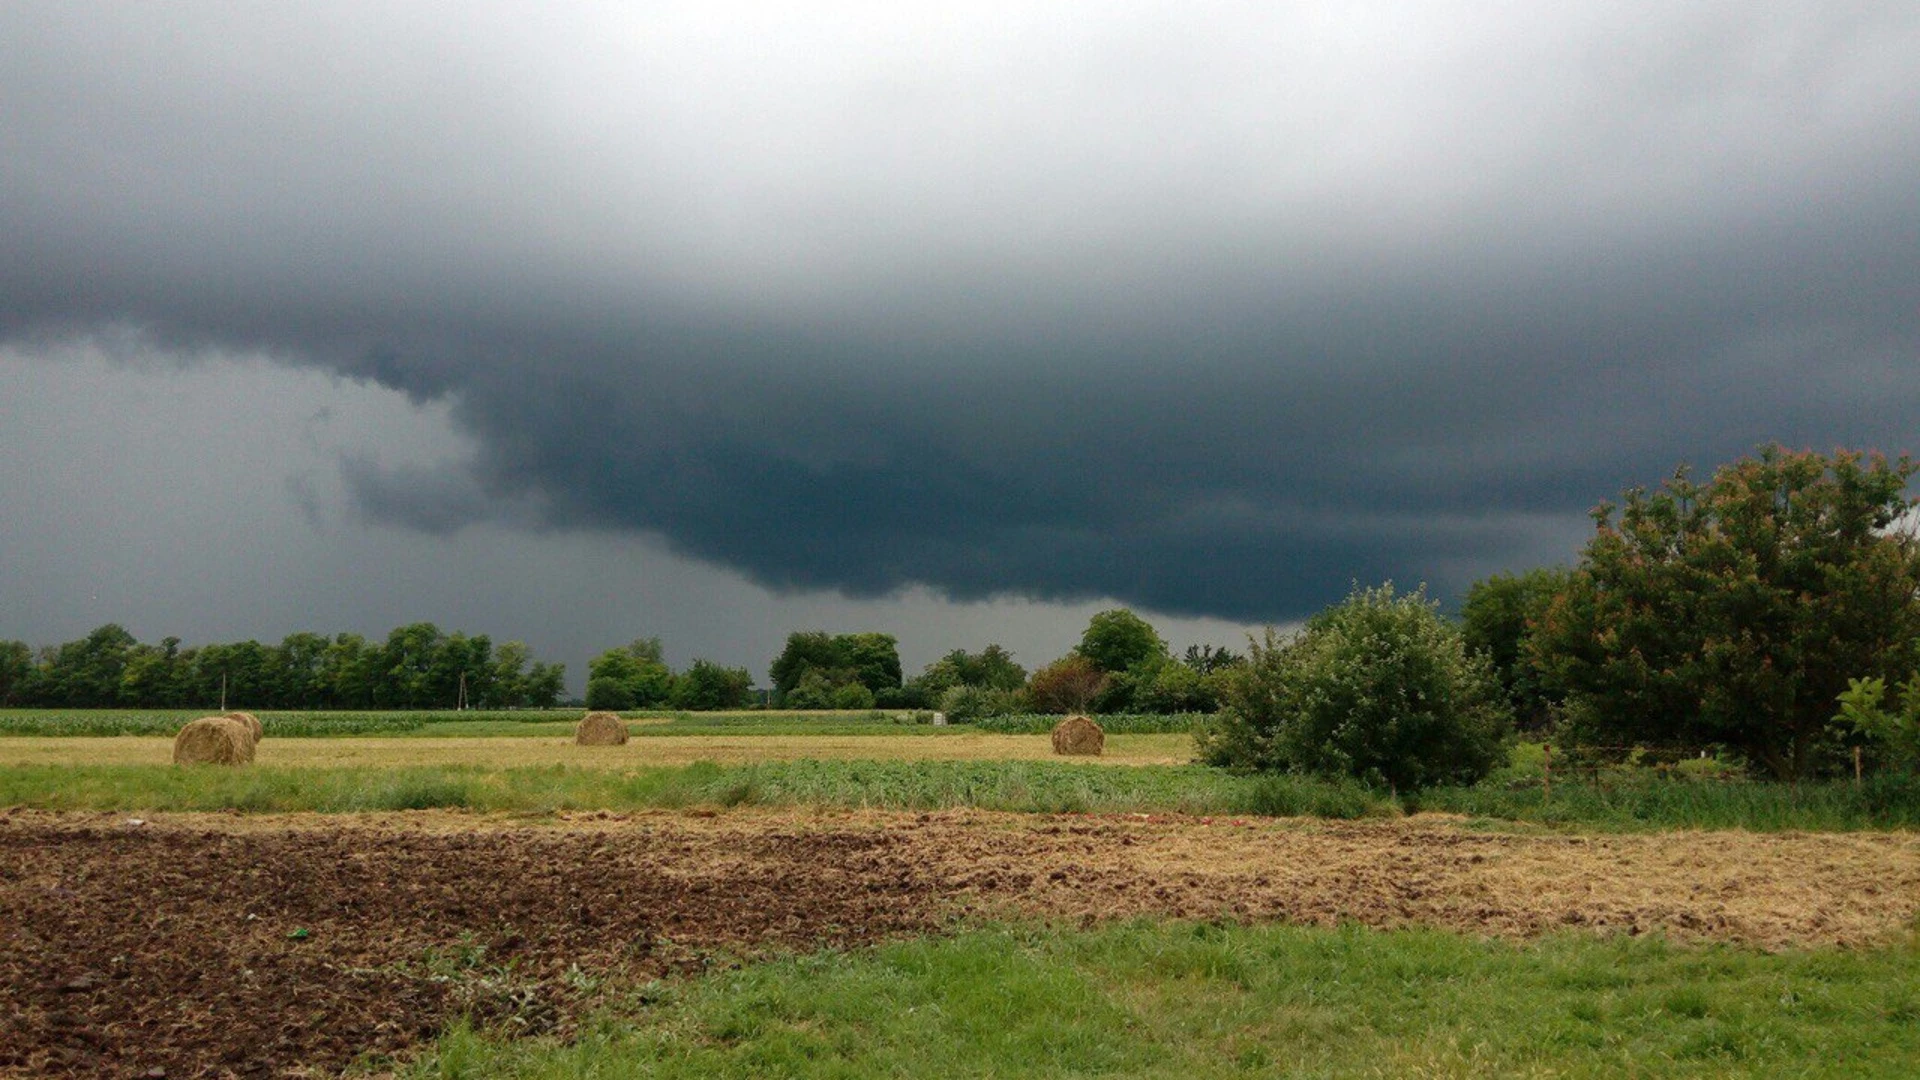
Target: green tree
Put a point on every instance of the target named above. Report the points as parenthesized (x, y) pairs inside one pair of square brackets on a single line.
[(17, 673), (1118, 640), (86, 674), (350, 671), (869, 659), (1733, 613), (706, 686), (874, 659), (608, 694), (1068, 685), (638, 667), (852, 696), (1377, 687), (409, 676), (1207, 659), (157, 677), (1498, 615), (806, 650), (1893, 729), (298, 672), (1176, 688), (992, 668), (543, 685)]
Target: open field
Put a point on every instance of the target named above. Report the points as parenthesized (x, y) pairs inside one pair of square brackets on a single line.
[(560, 722), (201, 942), (386, 752), (837, 895)]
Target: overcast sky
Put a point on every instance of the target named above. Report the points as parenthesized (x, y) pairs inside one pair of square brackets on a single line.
[(573, 323)]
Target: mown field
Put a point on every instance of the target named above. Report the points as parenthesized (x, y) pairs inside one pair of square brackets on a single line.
[(1141, 916)]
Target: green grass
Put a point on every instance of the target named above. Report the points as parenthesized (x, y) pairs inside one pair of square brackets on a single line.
[(1206, 1001), (1036, 786), (1643, 802)]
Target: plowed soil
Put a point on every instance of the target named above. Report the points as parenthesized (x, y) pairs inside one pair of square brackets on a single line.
[(209, 945)]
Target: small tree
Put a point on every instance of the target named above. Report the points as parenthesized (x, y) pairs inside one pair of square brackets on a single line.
[(1733, 613), (1068, 685), (1378, 687)]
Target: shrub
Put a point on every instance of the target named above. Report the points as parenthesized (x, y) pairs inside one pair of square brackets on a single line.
[(1895, 731), (965, 702), (1378, 687), (853, 696)]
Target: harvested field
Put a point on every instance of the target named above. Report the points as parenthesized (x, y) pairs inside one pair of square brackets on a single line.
[(390, 752), (215, 944)]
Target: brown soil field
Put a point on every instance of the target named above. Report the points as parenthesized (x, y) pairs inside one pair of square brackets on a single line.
[(224, 945), (512, 750)]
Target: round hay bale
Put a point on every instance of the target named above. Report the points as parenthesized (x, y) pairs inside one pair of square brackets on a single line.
[(253, 724), (601, 729), (213, 740), (1079, 735)]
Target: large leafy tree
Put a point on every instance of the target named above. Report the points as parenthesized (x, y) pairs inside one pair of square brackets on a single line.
[(1118, 640), (834, 661), (1733, 613), (638, 669)]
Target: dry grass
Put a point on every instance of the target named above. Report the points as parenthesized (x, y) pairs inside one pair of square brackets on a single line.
[(1080, 736), (389, 752), (213, 740), (1774, 891)]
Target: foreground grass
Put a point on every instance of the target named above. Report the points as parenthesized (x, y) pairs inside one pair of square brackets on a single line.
[(1200, 1001)]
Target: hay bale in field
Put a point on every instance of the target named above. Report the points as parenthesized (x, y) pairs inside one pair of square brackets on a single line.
[(601, 729), (253, 724), (1079, 735), (213, 740)]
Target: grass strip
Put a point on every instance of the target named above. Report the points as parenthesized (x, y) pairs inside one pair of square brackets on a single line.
[(1024, 786), (1037, 786), (1204, 1001)]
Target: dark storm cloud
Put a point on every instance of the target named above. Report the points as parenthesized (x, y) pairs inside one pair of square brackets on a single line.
[(1207, 311)]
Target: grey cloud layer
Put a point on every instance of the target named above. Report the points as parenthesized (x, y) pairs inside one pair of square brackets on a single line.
[(1208, 311)]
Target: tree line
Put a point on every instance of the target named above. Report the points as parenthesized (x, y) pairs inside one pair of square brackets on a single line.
[(1761, 616), (1770, 614), (418, 666)]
